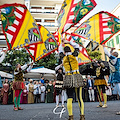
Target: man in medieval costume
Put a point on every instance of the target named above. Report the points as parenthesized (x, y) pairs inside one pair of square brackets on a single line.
[(114, 63), (73, 81), (18, 84), (100, 81), (59, 85)]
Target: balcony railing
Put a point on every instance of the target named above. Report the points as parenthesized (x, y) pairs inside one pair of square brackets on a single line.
[(44, 11), (50, 24)]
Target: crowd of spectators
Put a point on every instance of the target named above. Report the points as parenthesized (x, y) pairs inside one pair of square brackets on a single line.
[(43, 91)]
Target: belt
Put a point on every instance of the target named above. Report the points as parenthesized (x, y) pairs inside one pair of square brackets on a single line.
[(72, 71)]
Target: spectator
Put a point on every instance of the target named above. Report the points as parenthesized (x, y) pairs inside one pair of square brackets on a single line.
[(42, 93), (49, 91), (24, 96), (85, 91), (42, 80), (90, 86), (30, 93), (10, 94), (5, 92)]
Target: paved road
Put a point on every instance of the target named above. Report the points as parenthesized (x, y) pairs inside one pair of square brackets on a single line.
[(43, 111)]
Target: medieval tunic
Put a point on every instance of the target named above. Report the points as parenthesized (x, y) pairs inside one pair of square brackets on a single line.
[(30, 93), (49, 91), (5, 93), (99, 80), (70, 64)]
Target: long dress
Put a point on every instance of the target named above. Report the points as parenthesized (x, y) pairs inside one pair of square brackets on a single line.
[(42, 94), (30, 93), (50, 91), (25, 92), (10, 95), (5, 93)]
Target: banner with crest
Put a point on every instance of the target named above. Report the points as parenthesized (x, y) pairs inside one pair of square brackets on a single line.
[(18, 25), (99, 28), (72, 11), (48, 45)]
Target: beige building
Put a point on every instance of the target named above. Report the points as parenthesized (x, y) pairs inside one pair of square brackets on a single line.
[(45, 12)]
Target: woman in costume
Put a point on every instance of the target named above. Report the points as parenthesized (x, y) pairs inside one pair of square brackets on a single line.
[(18, 84), (73, 81), (49, 91), (59, 85), (30, 93), (5, 92), (42, 87)]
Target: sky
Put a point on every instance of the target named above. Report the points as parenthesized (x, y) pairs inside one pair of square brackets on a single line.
[(102, 5)]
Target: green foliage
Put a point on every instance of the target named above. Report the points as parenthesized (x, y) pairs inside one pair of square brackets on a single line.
[(48, 61), (21, 56), (17, 56), (94, 54)]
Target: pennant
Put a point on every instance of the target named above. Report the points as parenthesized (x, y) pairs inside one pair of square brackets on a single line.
[(19, 27), (99, 28), (48, 45), (72, 11)]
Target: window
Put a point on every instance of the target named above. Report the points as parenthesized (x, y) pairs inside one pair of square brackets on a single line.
[(50, 21), (49, 8), (38, 20)]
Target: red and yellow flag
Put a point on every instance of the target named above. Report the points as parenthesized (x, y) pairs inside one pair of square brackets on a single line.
[(99, 28), (72, 11), (48, 45), (19, 27)]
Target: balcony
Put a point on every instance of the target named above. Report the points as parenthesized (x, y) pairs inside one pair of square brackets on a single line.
[(53, 11)]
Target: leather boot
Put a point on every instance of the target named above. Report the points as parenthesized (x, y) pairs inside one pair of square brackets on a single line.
[(70, 117), (82, 117)]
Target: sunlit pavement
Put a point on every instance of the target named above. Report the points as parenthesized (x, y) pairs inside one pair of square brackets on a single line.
[(44, 111)]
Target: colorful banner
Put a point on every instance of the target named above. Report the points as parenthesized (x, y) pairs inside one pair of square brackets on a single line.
[(99, 28), (72, 11), (19, 27), (40, 50)]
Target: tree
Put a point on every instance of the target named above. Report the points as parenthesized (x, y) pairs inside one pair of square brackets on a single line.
[(94, 54), (48, 61), (17, 56), (22, 57)]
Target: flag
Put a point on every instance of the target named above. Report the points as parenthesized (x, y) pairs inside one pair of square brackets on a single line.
[(18, 25), (72, 11), (99, 28), (39, 50)]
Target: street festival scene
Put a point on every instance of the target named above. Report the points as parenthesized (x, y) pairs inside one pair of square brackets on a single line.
[(59, 60)]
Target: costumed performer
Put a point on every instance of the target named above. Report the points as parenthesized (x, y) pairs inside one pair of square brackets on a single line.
[(73, 81), (114, 63), (100, 82), (18, 84), (59, 85)]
